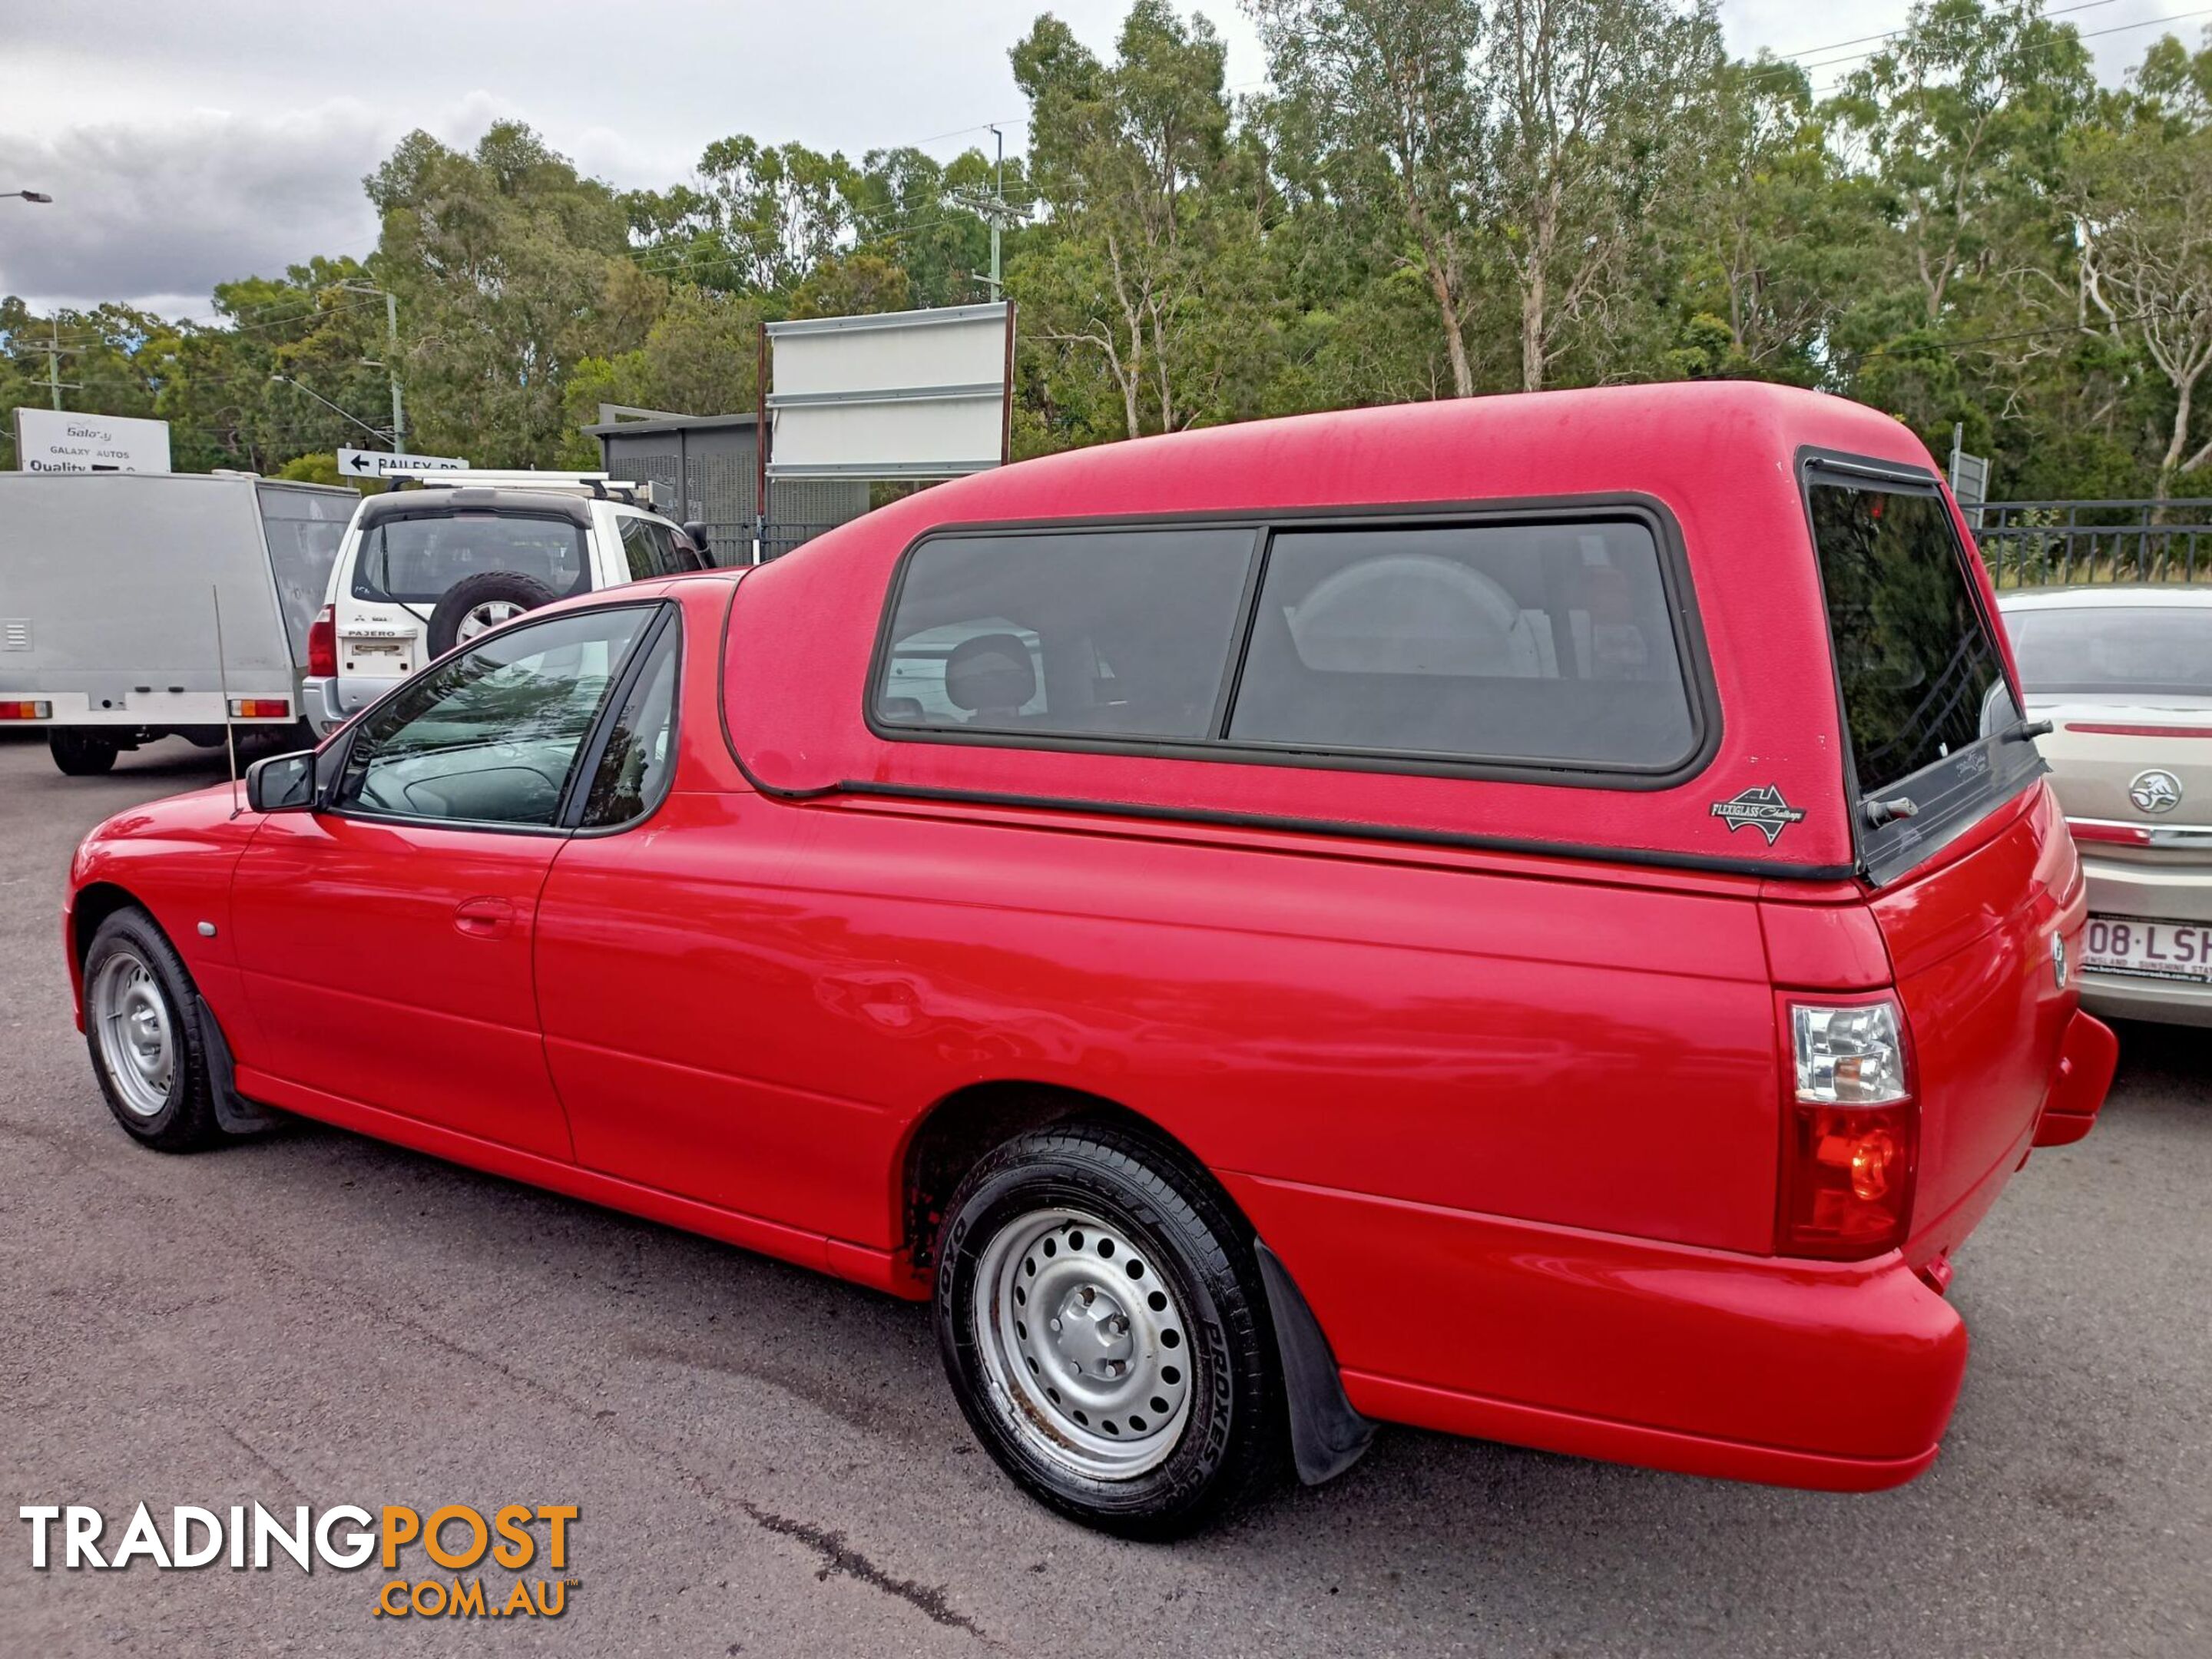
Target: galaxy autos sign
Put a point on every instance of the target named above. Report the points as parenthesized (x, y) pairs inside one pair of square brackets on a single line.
[(56, 440)]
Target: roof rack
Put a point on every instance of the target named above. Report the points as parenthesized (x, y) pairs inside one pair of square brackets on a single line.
[(600, 485)]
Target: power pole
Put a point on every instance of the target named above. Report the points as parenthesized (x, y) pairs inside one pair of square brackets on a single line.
[(391, 357), (392, 367), (54, 360), (999, 210)]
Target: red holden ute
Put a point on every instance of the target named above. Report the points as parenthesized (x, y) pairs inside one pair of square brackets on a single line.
[(1537, 917)]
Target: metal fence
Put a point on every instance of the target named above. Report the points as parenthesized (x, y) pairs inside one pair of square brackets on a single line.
[(2038, 544), (733, 539)]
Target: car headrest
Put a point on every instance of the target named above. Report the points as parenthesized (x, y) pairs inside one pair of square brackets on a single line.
[(990, 671)]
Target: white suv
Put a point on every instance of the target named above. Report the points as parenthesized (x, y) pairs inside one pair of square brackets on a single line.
[(422, 570)]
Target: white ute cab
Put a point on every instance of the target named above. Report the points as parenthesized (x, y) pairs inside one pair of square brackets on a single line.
[(424, 570)]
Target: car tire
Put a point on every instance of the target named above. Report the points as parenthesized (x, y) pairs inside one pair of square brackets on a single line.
[(82, 754), (142, 1024), (1102, 1318), (482, 601)]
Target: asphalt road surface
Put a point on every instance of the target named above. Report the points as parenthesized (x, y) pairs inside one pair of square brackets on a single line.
[(768, 1462)]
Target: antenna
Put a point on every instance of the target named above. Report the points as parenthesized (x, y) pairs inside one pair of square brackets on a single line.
[(222, 676)]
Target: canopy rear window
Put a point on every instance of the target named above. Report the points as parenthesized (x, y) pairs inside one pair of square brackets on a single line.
[(1926, 705)]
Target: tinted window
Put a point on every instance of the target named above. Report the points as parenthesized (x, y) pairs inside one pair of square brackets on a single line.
[(1118, 633), (1534, 642), (418, 559), (647, 547), (488, 736), (1920, 675), (2163, 651), (303, 531), (640, 753)]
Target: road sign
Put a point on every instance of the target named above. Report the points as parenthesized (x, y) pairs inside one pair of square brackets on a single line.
[(1970, 478), (375, 462), (56, 440)]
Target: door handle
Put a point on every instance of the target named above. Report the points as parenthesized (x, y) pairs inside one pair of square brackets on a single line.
[(482, 918)]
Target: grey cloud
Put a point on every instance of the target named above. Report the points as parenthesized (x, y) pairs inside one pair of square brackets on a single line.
[(148, 213)]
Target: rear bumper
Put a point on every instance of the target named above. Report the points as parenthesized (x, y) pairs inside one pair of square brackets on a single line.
[(1839, 1375), (2161, 890), (2125, 996), (319, 698)]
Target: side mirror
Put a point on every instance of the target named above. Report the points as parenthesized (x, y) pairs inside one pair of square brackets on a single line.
[(283, 783), (701, 537)]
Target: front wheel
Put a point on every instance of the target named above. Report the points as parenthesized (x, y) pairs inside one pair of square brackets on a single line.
[(1102, 1319), (140, 1022)]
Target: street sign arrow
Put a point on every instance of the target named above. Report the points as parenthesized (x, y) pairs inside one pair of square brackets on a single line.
[(375, 462)]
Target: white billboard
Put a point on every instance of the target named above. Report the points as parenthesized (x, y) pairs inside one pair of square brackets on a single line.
[(56, 440), (905, 394)]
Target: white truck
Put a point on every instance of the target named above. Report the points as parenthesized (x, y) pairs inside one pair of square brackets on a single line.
[(141, 606), (423, 569)]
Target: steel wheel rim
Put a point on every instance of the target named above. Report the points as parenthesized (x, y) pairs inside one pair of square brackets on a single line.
[(1085, 1351), (483, 618), (137, 1044)]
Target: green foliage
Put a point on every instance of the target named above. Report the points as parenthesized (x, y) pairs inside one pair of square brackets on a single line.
[(1432, 198)]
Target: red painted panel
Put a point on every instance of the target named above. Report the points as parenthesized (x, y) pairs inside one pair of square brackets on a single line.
[(1971, 938), (1856, 1360), (752, 1002), (390, 964)]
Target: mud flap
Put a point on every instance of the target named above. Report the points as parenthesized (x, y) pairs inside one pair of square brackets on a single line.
[(1326, 1435), (2077, 1091), (233, 1114)]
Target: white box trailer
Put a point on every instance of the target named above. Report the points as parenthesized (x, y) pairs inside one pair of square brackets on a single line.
[(115, 588)]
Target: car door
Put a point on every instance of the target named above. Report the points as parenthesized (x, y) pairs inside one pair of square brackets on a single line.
[(386, 938)]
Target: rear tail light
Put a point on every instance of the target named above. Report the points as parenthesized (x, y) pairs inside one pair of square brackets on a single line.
[(26, 711), (323, 644), (260, 708), (1850, 1134)]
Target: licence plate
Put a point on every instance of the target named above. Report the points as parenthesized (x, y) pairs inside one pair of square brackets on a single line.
[(362, 647), (2149, 949)]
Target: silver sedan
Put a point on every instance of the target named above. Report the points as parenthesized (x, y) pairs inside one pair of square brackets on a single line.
[(2124, 676)]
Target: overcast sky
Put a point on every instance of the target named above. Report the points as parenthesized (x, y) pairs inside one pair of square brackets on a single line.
[(186, 144)]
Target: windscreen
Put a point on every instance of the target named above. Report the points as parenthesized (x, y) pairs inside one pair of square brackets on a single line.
[(303, 530), (418, 559), (1921, 674), (2129, 651)]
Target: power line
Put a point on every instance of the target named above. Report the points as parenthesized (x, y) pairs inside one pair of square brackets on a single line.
[(2076, 36), (2143, 315)]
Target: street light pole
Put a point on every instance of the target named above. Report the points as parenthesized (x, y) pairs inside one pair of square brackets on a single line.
[(54, 339)]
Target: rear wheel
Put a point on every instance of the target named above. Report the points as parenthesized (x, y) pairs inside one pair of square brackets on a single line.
[(1102, 1321), (142, 1024), (82, 754)]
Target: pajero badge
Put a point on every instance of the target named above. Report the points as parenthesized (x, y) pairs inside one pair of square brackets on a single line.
[(1761, 807)]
